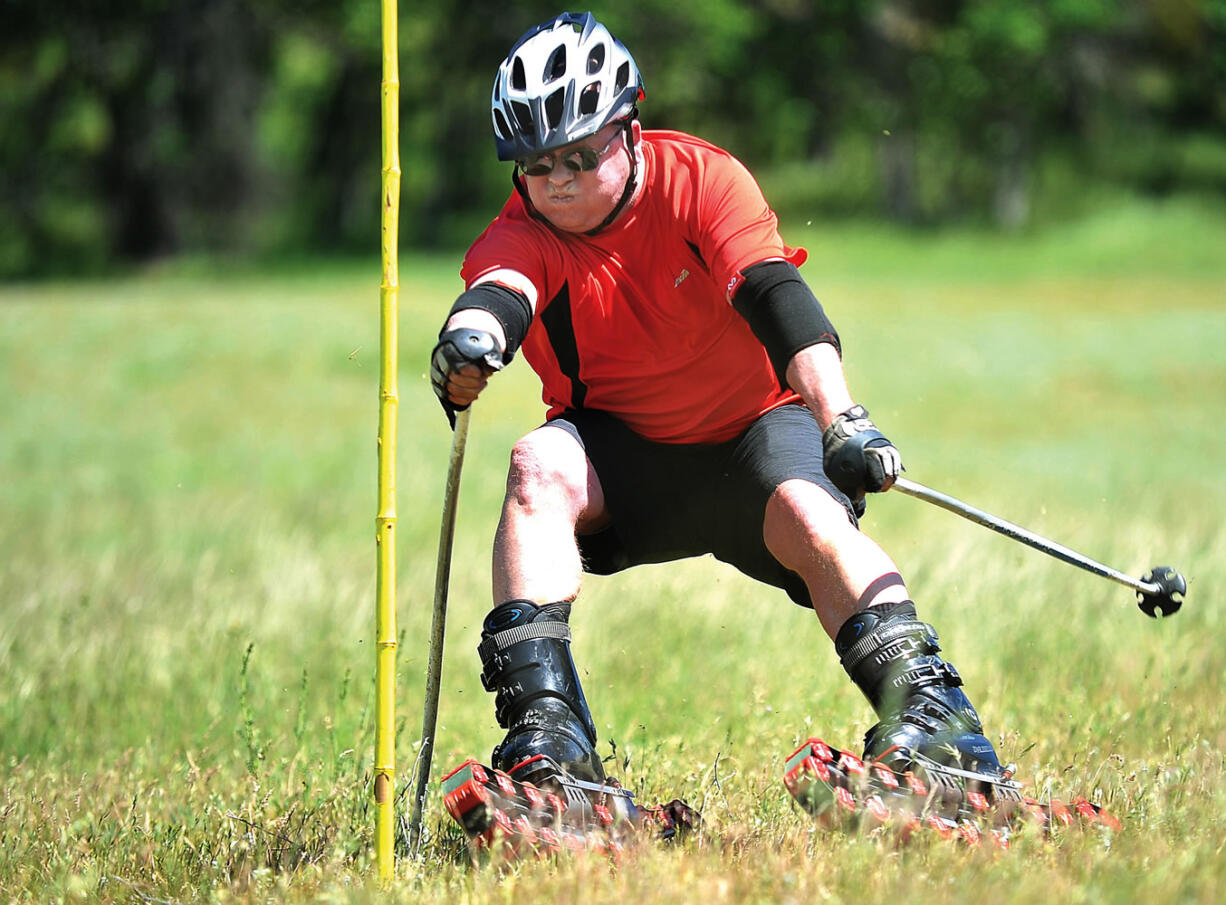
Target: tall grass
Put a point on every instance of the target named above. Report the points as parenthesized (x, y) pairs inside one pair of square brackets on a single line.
[(186, 583)]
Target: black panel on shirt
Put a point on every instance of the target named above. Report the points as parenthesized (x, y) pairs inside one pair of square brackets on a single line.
[(560, 328)]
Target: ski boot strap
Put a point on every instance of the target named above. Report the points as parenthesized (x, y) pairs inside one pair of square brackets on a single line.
[(514, 621), (885, 633), (559, 631), (892, 656)]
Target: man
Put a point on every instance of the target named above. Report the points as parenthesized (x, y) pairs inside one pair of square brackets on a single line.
[(697, 404)]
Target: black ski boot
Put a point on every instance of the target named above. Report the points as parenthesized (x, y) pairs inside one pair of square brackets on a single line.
[(892, 656), (526, 660)]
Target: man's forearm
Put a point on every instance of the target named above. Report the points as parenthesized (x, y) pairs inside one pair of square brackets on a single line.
[(816, 373)]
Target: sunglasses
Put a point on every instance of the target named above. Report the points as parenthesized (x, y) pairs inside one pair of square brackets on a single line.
[(580, 160)]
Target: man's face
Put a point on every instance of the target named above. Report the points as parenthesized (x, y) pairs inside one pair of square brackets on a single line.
[(576, 201)]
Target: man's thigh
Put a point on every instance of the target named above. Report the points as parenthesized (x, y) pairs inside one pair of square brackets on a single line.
[(559, 457), (653, 493), (785, 444)]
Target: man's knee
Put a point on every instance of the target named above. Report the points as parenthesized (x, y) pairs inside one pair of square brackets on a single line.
[(803, 502), (548, 468), (803, 521)]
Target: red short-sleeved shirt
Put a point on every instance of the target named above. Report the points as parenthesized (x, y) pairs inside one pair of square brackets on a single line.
[(636, 320)]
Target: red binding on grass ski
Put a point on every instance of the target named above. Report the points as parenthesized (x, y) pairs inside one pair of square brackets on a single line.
[(840, 789), (516, 818)]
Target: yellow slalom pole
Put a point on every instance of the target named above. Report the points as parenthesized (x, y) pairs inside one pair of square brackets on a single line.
[(385, 520)]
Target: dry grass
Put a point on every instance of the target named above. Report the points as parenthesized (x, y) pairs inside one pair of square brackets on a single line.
[(186, 595)]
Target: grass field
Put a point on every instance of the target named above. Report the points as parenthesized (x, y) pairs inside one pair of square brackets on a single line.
[(187, 466)]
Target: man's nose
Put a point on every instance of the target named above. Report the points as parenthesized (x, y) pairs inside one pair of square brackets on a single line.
[(561, 174)]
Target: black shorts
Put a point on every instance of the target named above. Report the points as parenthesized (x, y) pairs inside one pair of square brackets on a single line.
[(669, 501)]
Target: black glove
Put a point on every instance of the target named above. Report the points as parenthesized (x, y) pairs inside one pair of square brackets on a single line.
[(858, 457), (455, 349)]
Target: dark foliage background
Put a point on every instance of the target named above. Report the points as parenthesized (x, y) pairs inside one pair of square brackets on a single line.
[(140, 129)]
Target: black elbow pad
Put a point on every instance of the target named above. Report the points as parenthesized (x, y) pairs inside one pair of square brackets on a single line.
[(783, 313), (511, 308)]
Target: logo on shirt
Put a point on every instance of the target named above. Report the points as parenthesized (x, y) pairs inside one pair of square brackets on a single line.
[(677, 282)]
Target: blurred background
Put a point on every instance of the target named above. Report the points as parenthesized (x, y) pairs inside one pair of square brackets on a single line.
[(138, 130)]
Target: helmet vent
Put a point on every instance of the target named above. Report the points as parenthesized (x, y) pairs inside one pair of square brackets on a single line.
[(519, 81), (555, 66), (595, 59), (500, 125), (523, 116), (589, 99), (554, 108), (623, 78)]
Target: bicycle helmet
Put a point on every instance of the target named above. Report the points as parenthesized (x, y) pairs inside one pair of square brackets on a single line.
[(563, 80)]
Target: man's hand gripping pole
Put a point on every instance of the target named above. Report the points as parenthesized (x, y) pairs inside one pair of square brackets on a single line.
[(457, 349)]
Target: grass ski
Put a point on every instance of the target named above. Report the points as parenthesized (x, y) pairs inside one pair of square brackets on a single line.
[(558, 813), (840, 789)]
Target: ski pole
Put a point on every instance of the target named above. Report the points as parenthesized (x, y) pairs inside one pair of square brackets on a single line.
[(442, 583), (1161, 589)]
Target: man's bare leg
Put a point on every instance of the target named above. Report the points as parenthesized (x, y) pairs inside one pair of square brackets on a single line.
[(808, 531), (552, 492), (887, 651)]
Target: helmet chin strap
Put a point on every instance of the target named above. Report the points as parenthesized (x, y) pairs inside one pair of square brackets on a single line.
[(628, 190)]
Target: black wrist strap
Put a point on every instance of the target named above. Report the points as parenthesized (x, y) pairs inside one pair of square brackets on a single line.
[(511, 308)]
